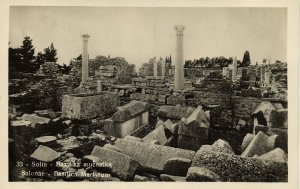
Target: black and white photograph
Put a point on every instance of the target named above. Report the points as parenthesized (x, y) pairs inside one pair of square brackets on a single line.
[(149, 94)]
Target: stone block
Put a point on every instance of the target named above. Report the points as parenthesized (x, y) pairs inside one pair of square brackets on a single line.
[(172, 178), (123, 166), (162, 99), (155, 142), (133, 138), (235, 168), (193, 131), (46, 141), (157, 134), (177, 166), (218, 146), (173, 128), (45, 154), (112, 147), (279, 118), (20, 127), (90, 159), (36, 120), (281, 141), (122, 129), (174, 100), (246, 141), (158, 123), (69, 144), (128, 111), (143, 97), (261, 128), (48, 113), (140, 178), (121, 115), (20, 123), (258, 146), (190, 143), (174, 112), (275, 155), (89, 105), (196, 125), (168, 123), (152, 157), (272, 142), (242, 122), (201, 174)]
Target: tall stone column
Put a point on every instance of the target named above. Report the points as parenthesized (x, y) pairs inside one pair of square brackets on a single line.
[(155, 67), (163, 68), (234, 69), (179, 72), (85, 59), (262, 75)]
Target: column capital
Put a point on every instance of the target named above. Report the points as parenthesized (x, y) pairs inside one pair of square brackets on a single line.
[(85, 37), (179, 29)]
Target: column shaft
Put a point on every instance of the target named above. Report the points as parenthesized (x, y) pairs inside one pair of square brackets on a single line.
[(85, 59)]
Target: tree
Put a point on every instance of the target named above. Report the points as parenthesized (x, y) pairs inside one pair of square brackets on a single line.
[(39, 60), (246, 59), (64, 69), (125, 73), (79, 57), (27, 55), (50, 54), (14, 57)]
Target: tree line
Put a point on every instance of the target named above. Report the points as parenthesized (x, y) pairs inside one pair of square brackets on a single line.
[(217, 62), (22, 58)]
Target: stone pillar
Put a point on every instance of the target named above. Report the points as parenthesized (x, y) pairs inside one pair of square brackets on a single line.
[(234, 69), (99, 86), (85, 59), (262, 75), (167, 68), (225, 72), (155, 67), (179, 72), (163, 68), (267, 78)]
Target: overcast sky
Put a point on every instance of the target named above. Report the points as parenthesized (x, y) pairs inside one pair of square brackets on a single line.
[(138, 34)]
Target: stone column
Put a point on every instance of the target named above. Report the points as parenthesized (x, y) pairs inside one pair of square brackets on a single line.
[(234, 69), (155, 67), (179, 72), (261, 76), (85, 59), (163, 68), (99, 86), (267, 78)]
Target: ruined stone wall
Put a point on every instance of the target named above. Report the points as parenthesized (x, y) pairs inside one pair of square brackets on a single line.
[(198, 71), (192, 72), (216, 92), (38, 93)]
